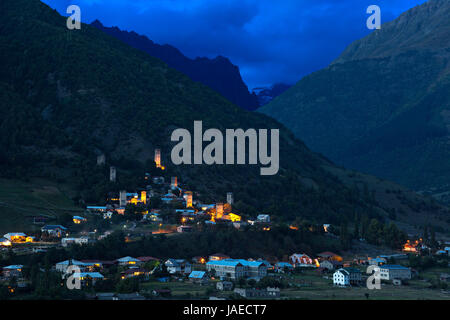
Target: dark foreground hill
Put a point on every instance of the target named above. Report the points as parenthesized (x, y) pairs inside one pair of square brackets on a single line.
[(219, 74), (383, 106), (68, 95)]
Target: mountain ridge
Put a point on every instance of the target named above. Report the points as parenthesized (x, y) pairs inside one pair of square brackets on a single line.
[(83, 92), (382, 106), (218, 73)]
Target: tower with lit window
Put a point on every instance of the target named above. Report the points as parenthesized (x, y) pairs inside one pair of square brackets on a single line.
[(188, 195), (144, 197), (158, 158), (174, 182), (219, 210)]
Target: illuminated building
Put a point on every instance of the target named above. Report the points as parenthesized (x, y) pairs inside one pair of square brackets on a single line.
[(128, 261), (410, 246), (232, 217), (78, 219), (218, 256), (219, 211), (189, 199), (5, 242), (16, 237), (144, 197), (301, 260), (174, 183), (55, 230), (158, 158)]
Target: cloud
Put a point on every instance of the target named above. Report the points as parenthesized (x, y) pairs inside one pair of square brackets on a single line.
[(271, 41)]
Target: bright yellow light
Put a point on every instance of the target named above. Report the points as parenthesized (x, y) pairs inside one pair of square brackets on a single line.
[(234, 217)]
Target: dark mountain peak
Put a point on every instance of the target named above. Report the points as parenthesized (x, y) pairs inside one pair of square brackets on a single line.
[(96, 23), (219, 73), (383, 106), (424, 27), (267, 94)]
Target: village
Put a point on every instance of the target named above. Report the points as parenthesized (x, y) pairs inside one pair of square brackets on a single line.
[(175, 211)]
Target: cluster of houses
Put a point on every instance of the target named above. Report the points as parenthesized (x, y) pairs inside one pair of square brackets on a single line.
[(225, 270), (220, 266), (10, 238), (193, 209)]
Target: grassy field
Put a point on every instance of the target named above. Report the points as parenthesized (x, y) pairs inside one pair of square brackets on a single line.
[(19, 201), (179, 289), (311, 286)]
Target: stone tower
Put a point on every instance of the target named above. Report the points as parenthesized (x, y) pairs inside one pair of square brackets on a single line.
[(188, 199), (219, 210), (174, 182), (123, 199), (112, 174), (101, 160), (158, 158), (230, 198)]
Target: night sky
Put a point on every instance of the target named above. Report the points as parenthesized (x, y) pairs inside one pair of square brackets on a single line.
[(271, 41)]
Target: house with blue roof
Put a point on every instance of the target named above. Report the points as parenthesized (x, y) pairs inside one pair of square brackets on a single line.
[(178, 266), (394, 272), (63, 265), (377, 261), (12, 271), (238, 268), (125, 261), (88, 277), (78, 219), (198, 277), (226, 269), (96, 208), (281, 266), (55, 230)]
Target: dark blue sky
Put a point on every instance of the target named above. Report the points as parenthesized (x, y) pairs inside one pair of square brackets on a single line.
[(270, 40)]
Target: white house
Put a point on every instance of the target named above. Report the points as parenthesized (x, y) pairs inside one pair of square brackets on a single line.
[(263, 218), (391, 272), (346, 277), (80, 241), (301, 260), (12, 271), (63, 265), (107, 215), (238, 268), (55, 230), (178, 266)]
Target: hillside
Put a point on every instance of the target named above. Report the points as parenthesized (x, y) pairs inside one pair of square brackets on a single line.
[(383, 106), (67, 95), (219, 74)]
